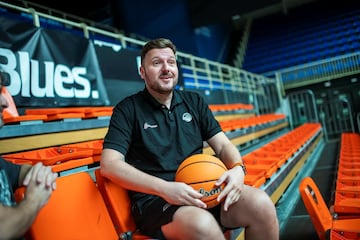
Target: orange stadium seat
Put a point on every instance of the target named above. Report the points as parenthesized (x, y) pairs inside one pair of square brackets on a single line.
[(350, 185), (119, 206), (93, 112), (54, 114), (71, 164), (76, 210), (51, 155), (324, 223), (351, 174), (94, 145), (347, 203)]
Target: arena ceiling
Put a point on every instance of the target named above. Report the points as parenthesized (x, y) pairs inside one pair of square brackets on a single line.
[(201, 12)]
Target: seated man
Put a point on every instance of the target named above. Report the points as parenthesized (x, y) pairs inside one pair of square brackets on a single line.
[(39, 181), (151, 133)]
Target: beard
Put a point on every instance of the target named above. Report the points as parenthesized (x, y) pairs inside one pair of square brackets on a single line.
[(162, 89), (161, 86)]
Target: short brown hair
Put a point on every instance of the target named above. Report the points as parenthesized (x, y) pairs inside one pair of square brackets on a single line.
[(157, 43)]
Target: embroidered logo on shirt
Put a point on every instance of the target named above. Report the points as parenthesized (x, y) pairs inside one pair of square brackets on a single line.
[(146, 125), (166, 206), (187, 117)]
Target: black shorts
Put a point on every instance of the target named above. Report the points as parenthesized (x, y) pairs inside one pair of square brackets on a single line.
[(157, 212)]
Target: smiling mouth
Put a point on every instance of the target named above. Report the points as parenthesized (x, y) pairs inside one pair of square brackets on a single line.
[(166, 78), (167, 75)]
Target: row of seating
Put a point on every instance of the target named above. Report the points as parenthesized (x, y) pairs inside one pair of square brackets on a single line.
[(265, 161), (57, 114), (69, 156), (342, 220), (12, 116), (232, 111), (230, 107), (250, 122), (347, 187), (330, 39), (61, 158), (80, 152), (87, 205)]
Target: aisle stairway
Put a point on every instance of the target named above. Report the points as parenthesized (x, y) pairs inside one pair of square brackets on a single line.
[(297, 224)]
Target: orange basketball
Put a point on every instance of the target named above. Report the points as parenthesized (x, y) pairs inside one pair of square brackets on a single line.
[(201, 171)]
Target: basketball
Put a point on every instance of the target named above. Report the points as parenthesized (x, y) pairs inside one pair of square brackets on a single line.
[(201, 171)]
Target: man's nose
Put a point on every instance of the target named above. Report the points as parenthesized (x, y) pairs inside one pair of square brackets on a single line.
[(165, 67)]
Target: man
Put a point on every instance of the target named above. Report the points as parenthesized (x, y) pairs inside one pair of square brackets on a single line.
[(151, 133), (39, 180)]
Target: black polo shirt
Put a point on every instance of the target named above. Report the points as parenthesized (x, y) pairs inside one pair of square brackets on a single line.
[(155, 139)]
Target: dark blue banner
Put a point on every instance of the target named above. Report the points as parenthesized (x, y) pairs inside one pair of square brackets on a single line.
[(49, 68)]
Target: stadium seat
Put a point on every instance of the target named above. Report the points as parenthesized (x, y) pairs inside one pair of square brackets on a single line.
[(54, 114), (94, 145), (76, 210), (118, 203), (347, 203), (72, 164), (326, 226), (119, 206), (51, 155)]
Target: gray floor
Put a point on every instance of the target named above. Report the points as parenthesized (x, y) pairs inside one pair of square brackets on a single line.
[(298, 224)]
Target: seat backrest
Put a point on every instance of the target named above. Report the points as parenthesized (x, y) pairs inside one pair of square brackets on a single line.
[(119, 206), (316, 207), (118, 203), (76, 210)]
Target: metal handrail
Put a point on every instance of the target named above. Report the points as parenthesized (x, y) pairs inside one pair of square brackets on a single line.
[(201, 73)]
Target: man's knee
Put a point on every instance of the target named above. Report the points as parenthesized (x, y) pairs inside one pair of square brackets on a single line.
[(196, 224), (264, 207), (198, 219), (205, 227), (255, 207)]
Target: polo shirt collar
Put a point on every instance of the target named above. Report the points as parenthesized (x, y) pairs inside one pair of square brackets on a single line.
[(176, 99)]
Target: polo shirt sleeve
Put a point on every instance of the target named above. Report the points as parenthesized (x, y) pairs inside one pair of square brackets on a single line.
[(118, 136)]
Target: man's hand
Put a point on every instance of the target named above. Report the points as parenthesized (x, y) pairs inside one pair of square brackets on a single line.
[(234, 183), (179, 193), (40, 181)]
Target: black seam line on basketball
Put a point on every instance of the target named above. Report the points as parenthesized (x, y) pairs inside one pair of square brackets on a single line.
[(212, 180), (203, 162)]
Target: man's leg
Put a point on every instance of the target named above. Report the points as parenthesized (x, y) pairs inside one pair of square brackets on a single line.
[(191, 222), (254, 211)]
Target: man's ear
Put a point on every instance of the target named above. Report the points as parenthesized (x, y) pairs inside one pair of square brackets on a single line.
[(142, 72)]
